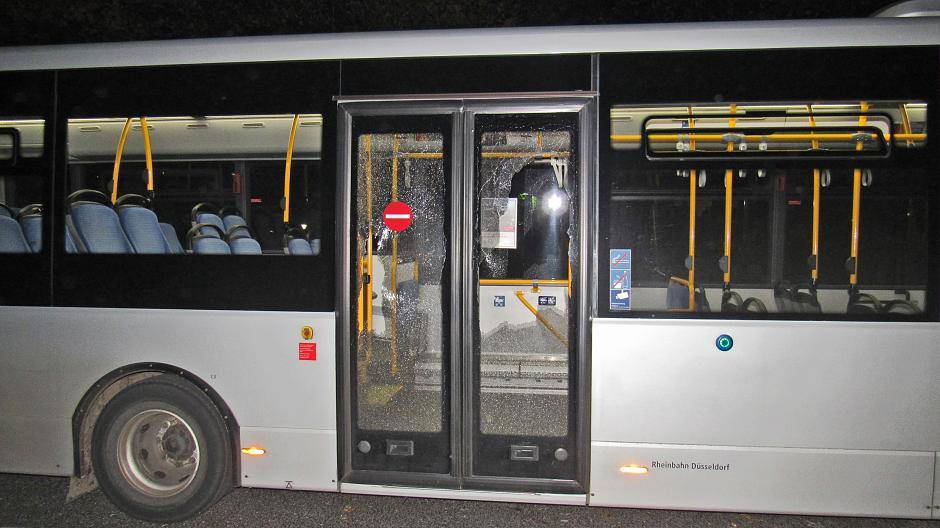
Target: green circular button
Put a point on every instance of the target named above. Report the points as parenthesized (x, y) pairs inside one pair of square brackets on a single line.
[(724, 342)]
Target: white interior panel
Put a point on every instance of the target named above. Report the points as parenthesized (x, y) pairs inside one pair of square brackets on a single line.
[(806, 481), (842, 385)]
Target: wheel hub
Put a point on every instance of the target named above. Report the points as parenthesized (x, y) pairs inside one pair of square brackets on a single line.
[(158, 453)]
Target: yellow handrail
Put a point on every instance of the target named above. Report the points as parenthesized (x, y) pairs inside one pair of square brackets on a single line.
[(393, 368), (856, 204), (148, 153), (117, 159), (287, 164), (148, 156), (422, 155), (814, 273), (540, 155), (521, 296), (729, 183), (693, 177), (570, 288), (772, 137), (906, 123), (489, 155), (367, 141), (361, 305), (524, 282)]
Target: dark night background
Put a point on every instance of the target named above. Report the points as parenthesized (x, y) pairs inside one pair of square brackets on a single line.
[(28, 22)]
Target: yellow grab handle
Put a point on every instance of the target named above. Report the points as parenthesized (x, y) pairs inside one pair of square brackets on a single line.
[(117, 160), (290, 157), (148, 153)]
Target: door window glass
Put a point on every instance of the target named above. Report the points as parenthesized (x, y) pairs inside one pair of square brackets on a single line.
[(401, 243)]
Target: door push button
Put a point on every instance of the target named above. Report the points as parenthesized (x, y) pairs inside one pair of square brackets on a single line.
[(526, 453), (399, 447)]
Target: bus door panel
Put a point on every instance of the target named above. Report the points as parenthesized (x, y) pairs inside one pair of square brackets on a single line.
[(463, 303)]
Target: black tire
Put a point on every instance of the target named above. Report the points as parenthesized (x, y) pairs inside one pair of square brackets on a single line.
[(193, 421)]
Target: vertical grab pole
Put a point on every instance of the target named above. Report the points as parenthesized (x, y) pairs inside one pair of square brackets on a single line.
[(693, 189), (729, 185), (856, 204), (148, 155), (396, 144), (287, 164), (365, 292), (368, 297), (814, 256), (117, 159), (360, 269)]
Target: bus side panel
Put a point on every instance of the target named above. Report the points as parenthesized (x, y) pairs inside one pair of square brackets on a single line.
[(35, 439), (301, 459), (783, 385), (769, 480), (251, 359), (812, 384)]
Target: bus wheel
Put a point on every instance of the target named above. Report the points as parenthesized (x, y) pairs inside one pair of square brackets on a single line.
[(160, 450)]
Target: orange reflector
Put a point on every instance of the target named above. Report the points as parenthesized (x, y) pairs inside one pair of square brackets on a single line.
[(634, 469), (253, 451)]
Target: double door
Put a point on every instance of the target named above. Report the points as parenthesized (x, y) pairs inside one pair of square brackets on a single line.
[(464, 297)]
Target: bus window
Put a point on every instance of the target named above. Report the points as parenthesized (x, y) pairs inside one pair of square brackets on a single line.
[(767, 208), (21, 185), (231, 185)]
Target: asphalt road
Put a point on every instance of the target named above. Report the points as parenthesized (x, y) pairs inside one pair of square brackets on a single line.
[(40, 501)]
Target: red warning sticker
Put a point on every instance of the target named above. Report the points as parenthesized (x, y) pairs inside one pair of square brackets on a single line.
[(307, 351)]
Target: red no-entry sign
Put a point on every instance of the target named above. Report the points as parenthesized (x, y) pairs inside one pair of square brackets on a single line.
[(397, 216)]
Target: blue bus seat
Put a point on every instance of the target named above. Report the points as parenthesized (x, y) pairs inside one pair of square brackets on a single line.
[(12, 239), (98, 229), (235, 226), (245, 246), (143, 230), (69, 241), (677, 294), (95, 226), (30, 218), (172, 240), (210, 245), (298, 246), (211, 219)]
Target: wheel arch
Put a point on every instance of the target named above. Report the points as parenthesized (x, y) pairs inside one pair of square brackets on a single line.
[(96, 397)]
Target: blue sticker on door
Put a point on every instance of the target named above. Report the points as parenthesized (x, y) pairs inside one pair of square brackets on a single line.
[(620, 279)]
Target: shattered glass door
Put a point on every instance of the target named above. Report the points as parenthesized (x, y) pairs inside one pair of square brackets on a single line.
[(464, 307), (526, 175), (401, 294)]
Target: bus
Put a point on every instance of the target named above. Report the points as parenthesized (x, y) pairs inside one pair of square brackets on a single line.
[(688, 266)]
